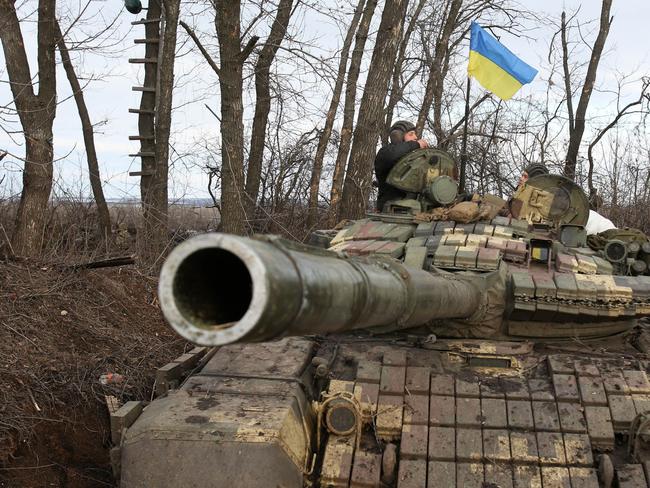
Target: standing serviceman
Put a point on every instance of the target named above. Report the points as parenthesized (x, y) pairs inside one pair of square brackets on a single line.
[(403, 140)]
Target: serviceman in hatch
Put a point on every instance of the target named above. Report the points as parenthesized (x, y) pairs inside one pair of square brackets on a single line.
[(530, 171), (596, 223), (403, 140)]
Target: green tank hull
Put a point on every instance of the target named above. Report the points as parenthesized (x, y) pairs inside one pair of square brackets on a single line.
[(403, 352)]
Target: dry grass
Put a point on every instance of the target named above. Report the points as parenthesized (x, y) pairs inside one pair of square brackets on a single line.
[(636, 216), (60, 329), (181, 217), (70, 232)]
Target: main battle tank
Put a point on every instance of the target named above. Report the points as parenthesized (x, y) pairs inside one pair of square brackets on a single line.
[(435, 344)]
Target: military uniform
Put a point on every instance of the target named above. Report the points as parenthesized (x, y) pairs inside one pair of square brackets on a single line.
[(386, 158)]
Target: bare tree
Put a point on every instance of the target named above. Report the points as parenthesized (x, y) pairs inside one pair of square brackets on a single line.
[(325, 135), (104, 219), (576, 132), (160, 183), (371, 111), (567, 72), (232, 57), (263, 100), (399, 81), (438, 67), (36, 113), (349, 109), (643, 96)]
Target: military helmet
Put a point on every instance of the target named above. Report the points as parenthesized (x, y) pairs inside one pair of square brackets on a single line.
[(403, 125), (399, 129), (536, 169)]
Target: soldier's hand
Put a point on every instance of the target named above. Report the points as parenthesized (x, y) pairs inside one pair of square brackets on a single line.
[(423, 144)]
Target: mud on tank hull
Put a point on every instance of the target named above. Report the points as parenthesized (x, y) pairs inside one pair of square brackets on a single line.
[(446, 413), (244, 413), (354, 408)]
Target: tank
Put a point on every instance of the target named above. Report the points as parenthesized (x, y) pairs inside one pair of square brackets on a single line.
[(441, 343)]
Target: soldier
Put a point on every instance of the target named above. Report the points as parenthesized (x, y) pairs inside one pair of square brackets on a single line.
[(596, 223), (403, 140), (532, 170)]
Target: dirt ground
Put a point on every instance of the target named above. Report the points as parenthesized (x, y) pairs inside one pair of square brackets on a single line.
[(60, 330)]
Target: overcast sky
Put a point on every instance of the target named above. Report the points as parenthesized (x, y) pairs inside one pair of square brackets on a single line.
[(110, 97)]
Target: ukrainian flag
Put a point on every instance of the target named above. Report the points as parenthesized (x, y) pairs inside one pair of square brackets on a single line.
[(494, 66)]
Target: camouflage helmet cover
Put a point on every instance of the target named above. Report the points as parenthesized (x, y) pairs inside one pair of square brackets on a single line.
[(399, 129), (536, 169), (403, 125)]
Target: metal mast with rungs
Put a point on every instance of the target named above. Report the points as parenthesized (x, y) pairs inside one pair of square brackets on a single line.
[(149, 92), (154, 120)]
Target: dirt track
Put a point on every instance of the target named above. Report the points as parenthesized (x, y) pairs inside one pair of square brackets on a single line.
[(59, 331)]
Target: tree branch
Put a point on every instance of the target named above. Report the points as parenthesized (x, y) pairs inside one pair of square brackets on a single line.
[(601, 134), (575, 137), (248, 49), (567, 75), (451, 133), (205, 53)]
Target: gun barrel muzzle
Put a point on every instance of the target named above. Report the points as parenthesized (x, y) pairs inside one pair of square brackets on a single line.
[(218, 289)]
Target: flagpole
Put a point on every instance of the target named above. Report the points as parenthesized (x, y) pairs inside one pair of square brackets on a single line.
[(463, 155)]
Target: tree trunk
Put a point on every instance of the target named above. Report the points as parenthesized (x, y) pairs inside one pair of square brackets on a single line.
[(227, 22), (263, 102), (37, 186), (567, 73), (103, 216), (349, 108), (153, 238), (358, 179), (575, 136), (149, 238), (396, 88), (36, 113), (314, 184), (438, 70), (156, 218)]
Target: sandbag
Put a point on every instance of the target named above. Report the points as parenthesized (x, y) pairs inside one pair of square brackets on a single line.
[(464, 212)]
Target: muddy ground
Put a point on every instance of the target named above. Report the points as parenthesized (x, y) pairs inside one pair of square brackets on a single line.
[(61, 328)]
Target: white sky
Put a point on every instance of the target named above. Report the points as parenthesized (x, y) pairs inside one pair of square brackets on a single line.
[(110, 97)]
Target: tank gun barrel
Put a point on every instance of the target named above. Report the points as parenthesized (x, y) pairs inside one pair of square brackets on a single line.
[(218, 289)]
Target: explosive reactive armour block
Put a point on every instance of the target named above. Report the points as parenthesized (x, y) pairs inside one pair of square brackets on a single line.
[(442, 444), (572, 418), (599, 424), (412, 474), (520, 415), (493, 411), (416, 409), (496, 445), (442, 410), (441, 473), (366, 470), (469, 445), (413, 443), (468, 412)]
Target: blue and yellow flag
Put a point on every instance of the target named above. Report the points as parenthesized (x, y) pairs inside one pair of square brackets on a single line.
[(494, 66)]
